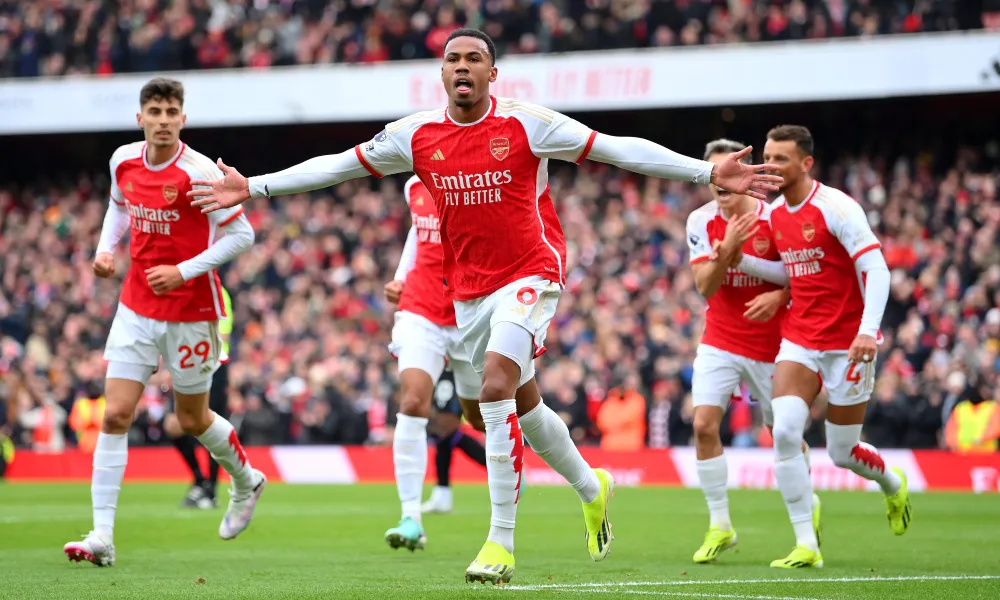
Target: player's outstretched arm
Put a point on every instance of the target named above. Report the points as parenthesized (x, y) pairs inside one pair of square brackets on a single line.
[(313, 174), (648, 158), (768, 270)]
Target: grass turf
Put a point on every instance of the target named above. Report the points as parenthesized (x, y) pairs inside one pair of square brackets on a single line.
[(326, 542)]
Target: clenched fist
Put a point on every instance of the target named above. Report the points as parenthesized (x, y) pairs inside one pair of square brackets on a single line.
[(104, 265), (393, 290)]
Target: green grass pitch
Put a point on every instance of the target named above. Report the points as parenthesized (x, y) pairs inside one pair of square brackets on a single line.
[(321, 542)]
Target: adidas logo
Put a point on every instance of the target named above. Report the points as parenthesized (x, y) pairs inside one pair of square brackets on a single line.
[(438, 155), (128, 187)]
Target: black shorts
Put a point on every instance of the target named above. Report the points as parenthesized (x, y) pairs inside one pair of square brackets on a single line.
[(218, 396), (445, 397)]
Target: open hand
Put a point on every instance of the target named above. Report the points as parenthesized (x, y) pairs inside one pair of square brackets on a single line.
[(164, 279), (753, 180), (863, 349), (764, 306), (227, 192)]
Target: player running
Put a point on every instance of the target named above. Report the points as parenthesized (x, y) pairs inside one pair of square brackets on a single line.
[(424, 338), (485, 161), (839, 286), (170, 307), (742, 336), (202, 493)]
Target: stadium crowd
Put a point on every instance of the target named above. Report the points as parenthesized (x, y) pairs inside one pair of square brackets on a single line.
[(310, 360), (71, 37)]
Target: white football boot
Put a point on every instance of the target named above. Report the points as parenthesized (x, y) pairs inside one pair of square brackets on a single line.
[(439, 502), (241, 507), (93, 549)]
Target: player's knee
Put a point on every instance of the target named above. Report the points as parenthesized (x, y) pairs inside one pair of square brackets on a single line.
[(787, 440), (706, 429), (413, 404), (496, 387), (118, 417), (194, 420)]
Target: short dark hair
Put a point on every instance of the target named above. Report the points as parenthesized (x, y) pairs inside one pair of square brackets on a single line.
[(793, 133), (724, 146), (479, 35), (163, 89)]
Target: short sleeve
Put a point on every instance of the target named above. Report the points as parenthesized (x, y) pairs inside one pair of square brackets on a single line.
[(853, 231), (554, 135), (699, 246), (385, 153), (116, 193)]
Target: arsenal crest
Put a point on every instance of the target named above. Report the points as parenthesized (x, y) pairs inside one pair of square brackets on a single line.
[(808, 231), (499, 148), (761, 244), (169, 193)]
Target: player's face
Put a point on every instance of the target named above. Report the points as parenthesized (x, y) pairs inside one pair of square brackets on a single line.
[(162, 121), (792, 165), (467, 72), (727, 200)]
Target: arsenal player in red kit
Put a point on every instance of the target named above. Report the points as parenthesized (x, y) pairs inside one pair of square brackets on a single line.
[(170, 307), (839, 286), (484, 160), (425, 337)]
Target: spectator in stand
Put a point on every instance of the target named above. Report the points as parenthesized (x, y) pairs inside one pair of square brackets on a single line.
[(98, 36), (622, 418)]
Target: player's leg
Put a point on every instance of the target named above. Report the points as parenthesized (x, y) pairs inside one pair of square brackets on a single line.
[(795, 386), (218, 402), (132, 357), (850, 386), (191, 350), (444, 426), (420, 349), (187, 447), (448, 420), (716, 375)]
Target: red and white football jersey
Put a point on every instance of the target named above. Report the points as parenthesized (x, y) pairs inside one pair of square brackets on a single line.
[(424, 292), (725, 326), (167, 230), (819, 240), (490, 184)]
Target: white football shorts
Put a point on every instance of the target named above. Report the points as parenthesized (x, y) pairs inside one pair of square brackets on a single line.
[(718, 373), (530, 303), (419, 343), (847, 383), (189, 350)]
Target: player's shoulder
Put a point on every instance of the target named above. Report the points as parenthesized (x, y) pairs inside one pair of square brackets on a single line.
[(778, 203), (412, 184), (508, 107), (703, 215), (127, 152), (197, 165), (836, 204), (411, 123)]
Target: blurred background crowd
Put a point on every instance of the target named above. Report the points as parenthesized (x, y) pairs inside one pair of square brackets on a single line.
[(310, 363), (310, 360), (67, 37)]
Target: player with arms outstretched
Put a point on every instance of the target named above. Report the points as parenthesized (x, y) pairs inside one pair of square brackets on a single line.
[(742, 336), (485, 160), (170, 307), (424, 338), (839, 285)]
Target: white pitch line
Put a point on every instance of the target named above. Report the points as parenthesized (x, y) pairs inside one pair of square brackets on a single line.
[(695, 594), (717, 582)]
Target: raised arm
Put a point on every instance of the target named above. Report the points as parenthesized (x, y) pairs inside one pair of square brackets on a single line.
[(554, 135), (383, 155)]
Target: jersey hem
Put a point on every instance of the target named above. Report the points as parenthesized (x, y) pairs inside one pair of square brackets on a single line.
[(176, 320), (586, 149), (232, 218), (742, 354), (700, 259), (470, 296), (866, 249)]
